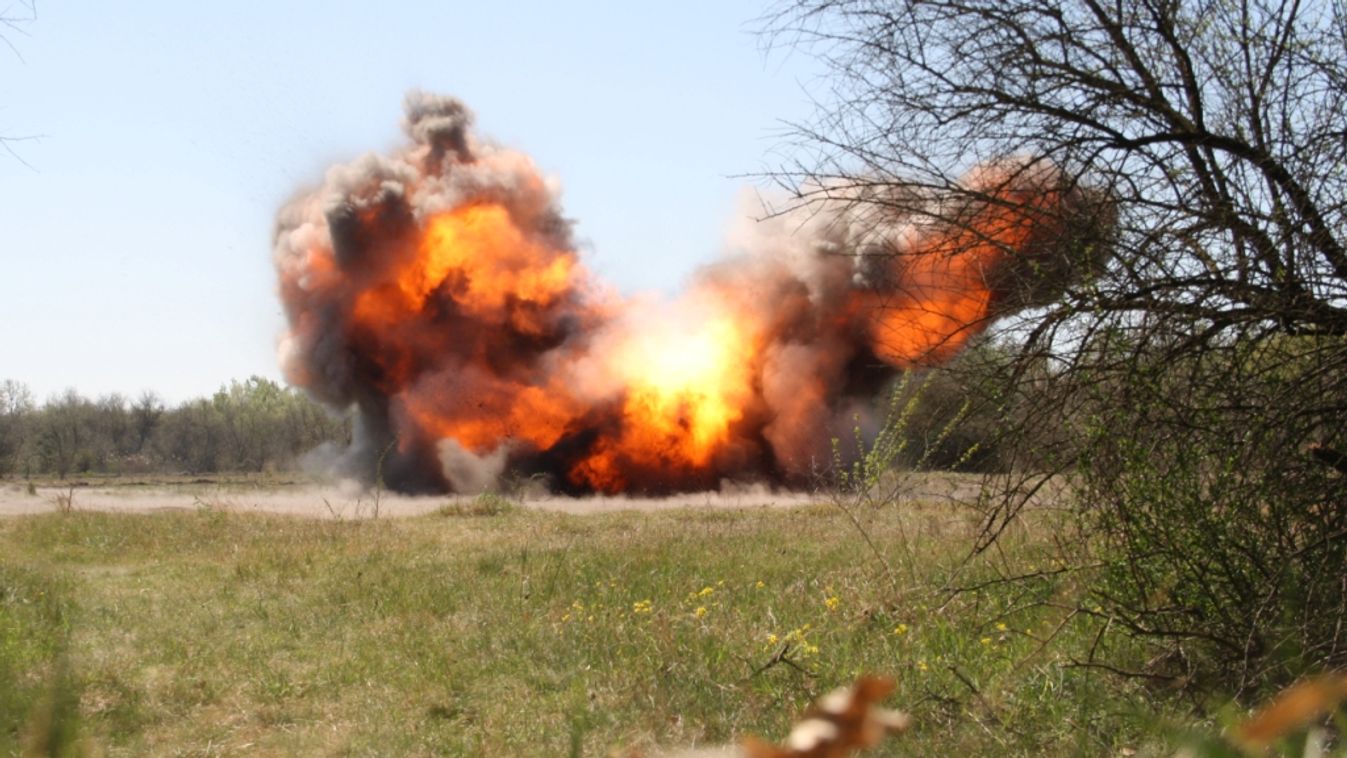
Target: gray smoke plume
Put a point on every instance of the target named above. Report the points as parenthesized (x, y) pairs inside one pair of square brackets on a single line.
[(438, 291)]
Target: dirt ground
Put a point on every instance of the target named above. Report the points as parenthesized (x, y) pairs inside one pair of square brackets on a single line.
[(347, 500), (337, 500)]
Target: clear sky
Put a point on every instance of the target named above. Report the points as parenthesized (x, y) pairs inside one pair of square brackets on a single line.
[(136, 242)]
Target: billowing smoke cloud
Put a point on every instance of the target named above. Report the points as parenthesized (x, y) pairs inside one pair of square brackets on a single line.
[(438, 291)]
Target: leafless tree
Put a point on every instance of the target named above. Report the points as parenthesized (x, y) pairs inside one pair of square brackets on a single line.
[(1201, 370), (14, 21), (64, 432), (1218, 125), (16, 404)]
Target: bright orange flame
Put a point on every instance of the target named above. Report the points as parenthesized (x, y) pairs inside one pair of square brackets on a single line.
[(686, 387), (684, 379), (945, 292), (530, 415), (479, 258), (478, 324), (489, 264)]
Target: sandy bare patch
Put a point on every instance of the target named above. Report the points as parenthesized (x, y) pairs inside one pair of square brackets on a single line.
[(338, 501), (349, 501)]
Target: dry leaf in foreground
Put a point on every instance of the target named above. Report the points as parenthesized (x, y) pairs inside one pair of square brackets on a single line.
[(842, 722)]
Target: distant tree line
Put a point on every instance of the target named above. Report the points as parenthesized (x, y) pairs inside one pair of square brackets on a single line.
[(253, 425)]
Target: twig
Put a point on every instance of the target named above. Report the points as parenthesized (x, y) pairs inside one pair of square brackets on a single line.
[(332, 511), (1020, 577), (977, 693), (888, 569), (781, 656), (1120, 672)]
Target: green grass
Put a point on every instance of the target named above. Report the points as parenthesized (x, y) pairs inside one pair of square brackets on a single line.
[(504, 631)]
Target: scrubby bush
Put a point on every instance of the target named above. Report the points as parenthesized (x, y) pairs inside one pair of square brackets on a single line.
[(1225, 528)]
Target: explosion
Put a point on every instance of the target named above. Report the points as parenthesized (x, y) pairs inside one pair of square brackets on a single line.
[(438, 291)]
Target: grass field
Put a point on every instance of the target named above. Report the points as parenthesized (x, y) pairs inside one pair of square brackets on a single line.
[(498, 630)]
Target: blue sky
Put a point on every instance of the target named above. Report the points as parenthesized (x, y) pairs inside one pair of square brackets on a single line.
[(136, 242)]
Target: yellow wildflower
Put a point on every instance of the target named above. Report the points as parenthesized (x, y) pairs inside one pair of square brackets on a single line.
[(921, 666), (772, 639), (1001, 627), (900, 630), (700, 612), (706, 591), (760, 584), (986, 640), (832, 602), (642, 606)]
